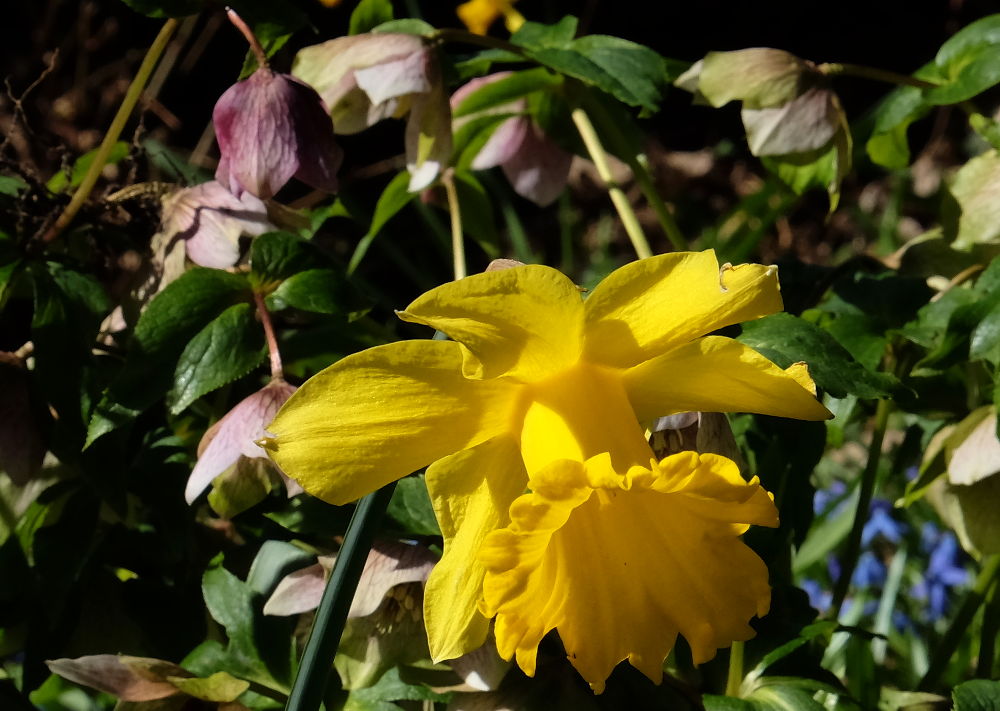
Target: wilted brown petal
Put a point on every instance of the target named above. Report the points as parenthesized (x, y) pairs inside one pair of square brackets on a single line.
[(128, 678)]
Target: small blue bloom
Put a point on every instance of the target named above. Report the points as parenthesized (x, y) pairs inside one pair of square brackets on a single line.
[(870, 571), (881, 523), (819, 598), (943, 571), (823, 498)]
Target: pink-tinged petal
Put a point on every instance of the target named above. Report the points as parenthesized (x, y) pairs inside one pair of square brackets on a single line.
[(397, 77), (428, 137), (467, 89), (299, 591), (234, 435), (271, 127), (503, 146), (210, 219), (330, 69), (539, 169)]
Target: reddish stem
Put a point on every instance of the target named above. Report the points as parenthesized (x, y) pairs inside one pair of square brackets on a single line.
[(277, 372), (251, 38)]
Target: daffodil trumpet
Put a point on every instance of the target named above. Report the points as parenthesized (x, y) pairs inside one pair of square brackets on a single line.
[(554, 510)]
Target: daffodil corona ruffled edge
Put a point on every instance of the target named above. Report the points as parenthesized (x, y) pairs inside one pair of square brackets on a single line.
[(540, 388)]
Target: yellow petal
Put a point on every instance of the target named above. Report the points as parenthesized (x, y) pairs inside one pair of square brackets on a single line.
[(478, 15), (471, 492), (619, 573), (525, 322), (716, 374), (652, 305), (380, 414)]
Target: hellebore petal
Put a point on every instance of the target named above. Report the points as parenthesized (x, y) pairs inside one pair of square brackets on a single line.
[(390, 66), (428, 137), (717, 374), (804, 124), (525, 322), (650, 306), (270, 128), (539, 170), (471, 492), (133, 679), (210, 220), (380, 414), (234, 436), (759, 76), (665, 550)]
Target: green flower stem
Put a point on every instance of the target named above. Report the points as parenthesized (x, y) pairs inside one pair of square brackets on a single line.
[(639, 166), (251, 38), (833, 69), (735, 678), (455, 212), (331, 615), (621, 203), (114, 131), (849, 559), (944, 651)]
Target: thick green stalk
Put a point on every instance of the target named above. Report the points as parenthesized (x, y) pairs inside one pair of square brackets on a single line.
[(638, 164), (621, 203), (849, 559), (833, 69), (114, 131), (960, 624), (735, 678), (455, 212), (331, 615)]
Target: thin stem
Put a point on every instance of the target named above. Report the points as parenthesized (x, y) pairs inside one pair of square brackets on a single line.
[(960, 624), (255, 45), (114, 131), (833, 69), (331, 615), (621, 203), (989, 633), (639, 165), (277, 372), (448, 34), (735, 678), (455, 211), (849, 559)]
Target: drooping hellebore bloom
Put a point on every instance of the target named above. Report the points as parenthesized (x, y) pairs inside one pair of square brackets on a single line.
[(543, 392), (369, 77), (535, 166), (272, 127), (233, 437)]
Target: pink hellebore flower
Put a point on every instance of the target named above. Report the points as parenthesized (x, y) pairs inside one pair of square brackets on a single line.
[(369, 77), (210, 220), (234, 435), (535, 166), (272, 127)]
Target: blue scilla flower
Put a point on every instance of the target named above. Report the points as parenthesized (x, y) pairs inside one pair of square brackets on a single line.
[(824, 498), (819, 598), (870, 571), (881, 524), (943, 571)]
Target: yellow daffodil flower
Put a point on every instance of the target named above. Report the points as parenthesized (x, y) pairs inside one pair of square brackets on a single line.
[(478, 15), (554, 510)]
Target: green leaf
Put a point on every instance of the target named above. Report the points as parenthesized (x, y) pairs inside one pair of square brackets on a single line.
[(887, 146), (987, 128), (407, 26), (275, 256), (977, 695), (8, 279), (218, 688), (976, 189), (411, 508), (165, 8), (321, 291), (786, 339), (226, 349), (824, 168), (11, 185), (713, 702), (162, 334), (506, 90), (632, 73), (984, 343), (970, 78), (394, 198), (472, 135), (370, 14), (60, 182)]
